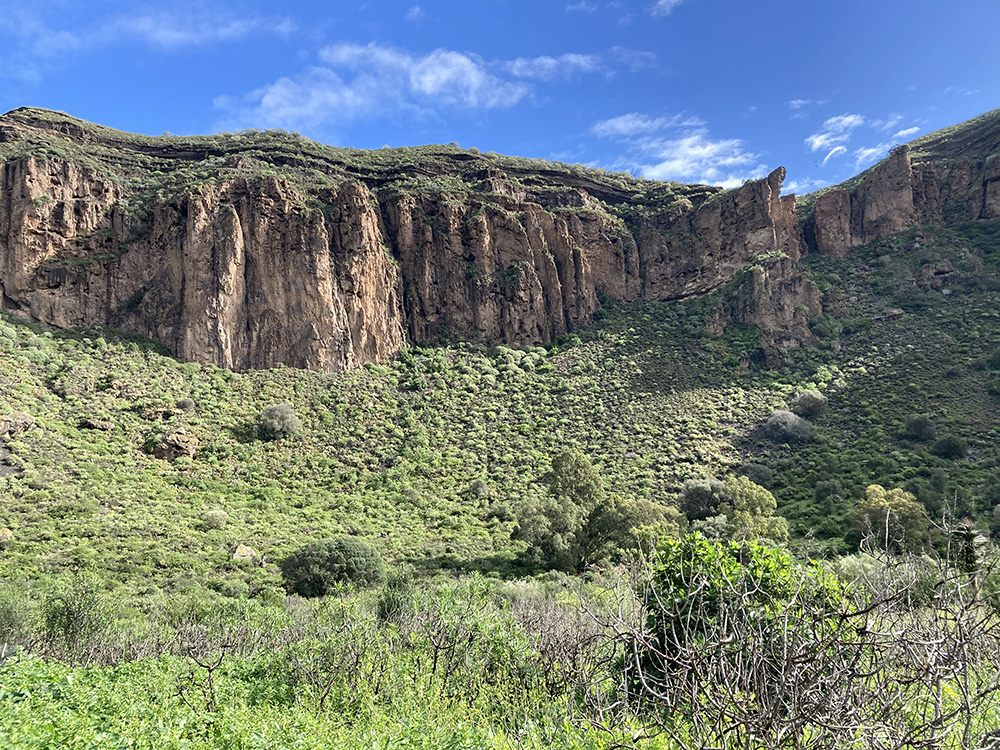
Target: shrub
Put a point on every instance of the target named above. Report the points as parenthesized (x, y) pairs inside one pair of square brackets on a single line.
[(701, 498), (16, 616), (757, 473), (397, 600), (186, 405), (215, 519), (279, 421), (74, 614), (919, 427), (810, 404), (950, 446), (317, 568), (785, 427)]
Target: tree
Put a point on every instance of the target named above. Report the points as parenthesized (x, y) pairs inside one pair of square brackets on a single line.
[(893, 519), (317, 568), (734, 509), (577, 523)]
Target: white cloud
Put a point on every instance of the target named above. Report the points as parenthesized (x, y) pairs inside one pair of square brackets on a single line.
[(803, 186), (695, 157), (865, 157), (835, 131), (362, 80), (581, 7), (548, 68), (633, 59), (664, 7), (689, 154), (188, 27), (904, 134), (415, 14), (799, 103), (834, 152), (637, 124), (888, 123)]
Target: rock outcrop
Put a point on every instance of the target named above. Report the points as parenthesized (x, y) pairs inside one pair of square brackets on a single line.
[(246, 268), (948, 176)]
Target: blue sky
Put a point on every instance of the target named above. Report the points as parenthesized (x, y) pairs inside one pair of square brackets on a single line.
[(714, 91)]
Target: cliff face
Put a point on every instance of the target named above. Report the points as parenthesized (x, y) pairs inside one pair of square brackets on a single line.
[(247, 268), (234, 274), (948, 176)]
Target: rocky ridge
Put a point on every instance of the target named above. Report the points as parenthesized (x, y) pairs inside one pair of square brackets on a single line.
[(256, 249)]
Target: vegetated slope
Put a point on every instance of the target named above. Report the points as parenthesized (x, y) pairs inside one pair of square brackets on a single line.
[(255, 249), (432, 453)]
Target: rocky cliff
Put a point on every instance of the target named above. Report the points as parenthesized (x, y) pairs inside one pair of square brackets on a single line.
[(253, 249), (949, 176)]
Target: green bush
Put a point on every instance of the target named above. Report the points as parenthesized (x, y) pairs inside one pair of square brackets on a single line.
[(75, 613), (950, 447), (16, 616), (397, 600), (279, 421), (919, 427), (215, 519), (319, 567), (700, 588), (756, 473)]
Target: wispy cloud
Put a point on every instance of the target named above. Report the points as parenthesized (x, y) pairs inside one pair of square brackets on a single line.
[(834, 153), (636, 124), (664, 7), (835, 131), (43, 38), (632, 59), (687, 154), (546, 68), (415, 14), (887, 123), (902, 135), (190, 27), (866, 156), (581, 7)]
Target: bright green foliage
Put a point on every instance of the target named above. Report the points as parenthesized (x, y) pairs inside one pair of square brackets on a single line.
[(735, 509), (578, 523), (319, 567), (893, 519), (749, 510), (699, 585)]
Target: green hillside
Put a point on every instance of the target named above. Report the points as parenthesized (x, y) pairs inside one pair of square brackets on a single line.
[(432, 454)]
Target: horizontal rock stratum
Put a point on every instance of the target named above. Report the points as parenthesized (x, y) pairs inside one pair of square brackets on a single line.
[(254, 249)]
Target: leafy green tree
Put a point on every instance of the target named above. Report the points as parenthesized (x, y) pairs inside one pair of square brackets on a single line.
[(749, 511), (577, 523), (893, 519), (317, 568), (736, 508)]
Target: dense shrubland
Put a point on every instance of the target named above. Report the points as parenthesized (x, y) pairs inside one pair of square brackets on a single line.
[(495, 464)]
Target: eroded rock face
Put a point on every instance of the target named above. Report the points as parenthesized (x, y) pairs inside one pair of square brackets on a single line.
[(901, 192), (249, 272)]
